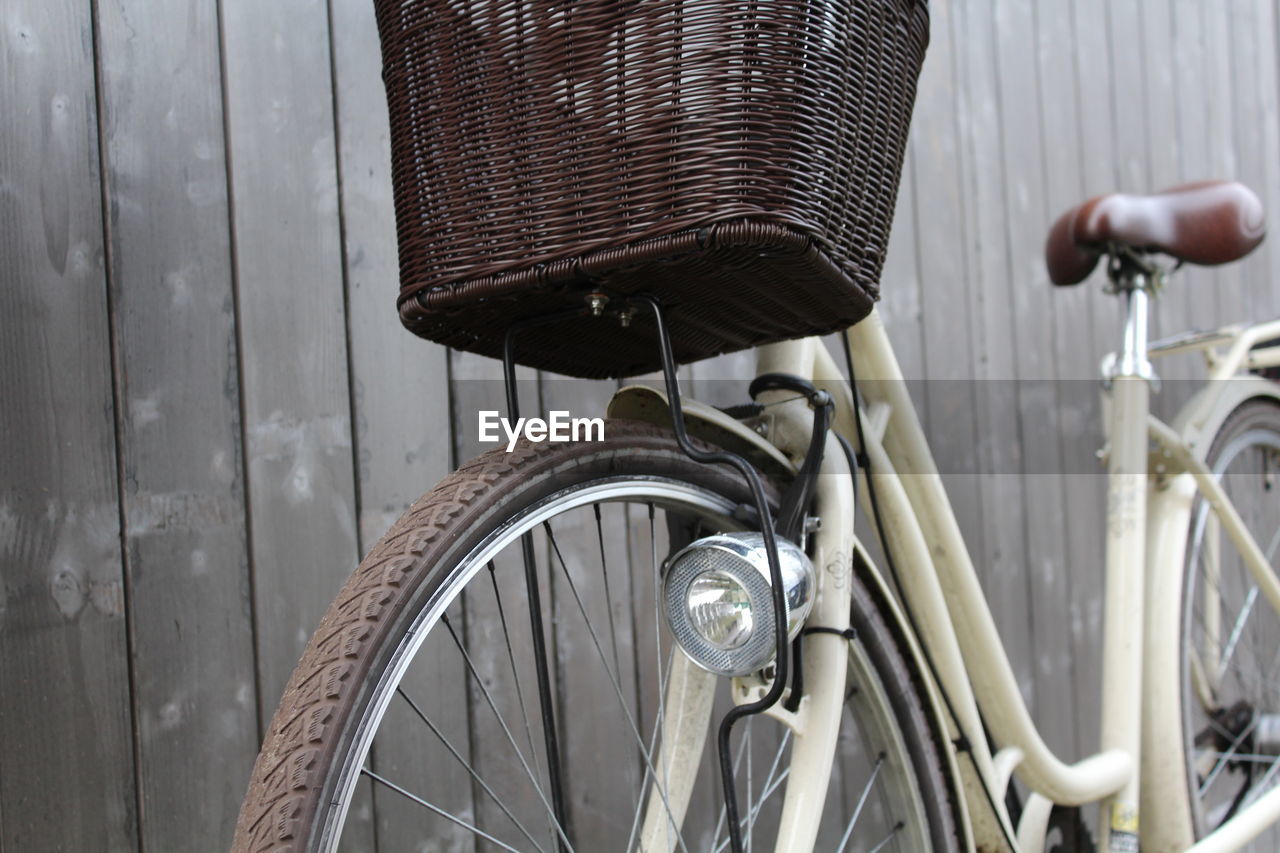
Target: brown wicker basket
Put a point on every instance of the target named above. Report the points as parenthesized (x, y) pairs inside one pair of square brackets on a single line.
[(738, 159)]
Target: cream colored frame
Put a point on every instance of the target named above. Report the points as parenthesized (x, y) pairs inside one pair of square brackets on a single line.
[(1147, 526)]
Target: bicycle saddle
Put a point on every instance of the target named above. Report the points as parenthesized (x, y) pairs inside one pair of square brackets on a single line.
[(1210, 222)]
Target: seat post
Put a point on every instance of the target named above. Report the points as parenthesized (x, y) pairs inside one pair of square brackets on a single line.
[(1135, 286), (1133, 358), (1130, 379)]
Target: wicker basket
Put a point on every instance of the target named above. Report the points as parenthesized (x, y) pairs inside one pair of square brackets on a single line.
[(738, 159)]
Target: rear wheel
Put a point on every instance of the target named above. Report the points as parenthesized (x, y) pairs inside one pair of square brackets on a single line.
[(1231, 634), (477, 705)]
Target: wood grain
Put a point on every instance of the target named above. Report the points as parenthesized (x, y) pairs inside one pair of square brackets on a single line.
[(187, 550), (295, 383), (67, 778)]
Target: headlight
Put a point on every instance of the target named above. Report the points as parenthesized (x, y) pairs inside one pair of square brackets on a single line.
[(719, 603)]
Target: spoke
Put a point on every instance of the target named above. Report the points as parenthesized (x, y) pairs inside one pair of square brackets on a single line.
[(662, 676), (515, 670), (1225, 757), (770, 785), (1271, 668), (657, 612), (1271, 547), (1217, 727), (1236, 630), (742, 822), (433, 807), (1246, 679), (897, 827), (608, 596), (493, 706), (1266, 779), (777, 756), (647, 756), (471, 770), (1246, 756), (545, 702), (614, 675), (862, 801), (617, 688)]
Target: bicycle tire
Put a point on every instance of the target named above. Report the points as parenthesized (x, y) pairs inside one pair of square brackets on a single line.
[(1242, 633), (320, 731)]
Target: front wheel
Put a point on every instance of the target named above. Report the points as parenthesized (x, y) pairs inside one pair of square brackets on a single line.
[(492, 677)]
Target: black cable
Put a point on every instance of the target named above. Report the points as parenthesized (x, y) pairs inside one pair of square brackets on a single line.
[(797, 676), (749, 474)]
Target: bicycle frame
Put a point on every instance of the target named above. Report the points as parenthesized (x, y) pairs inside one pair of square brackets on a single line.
[(1146, 534)]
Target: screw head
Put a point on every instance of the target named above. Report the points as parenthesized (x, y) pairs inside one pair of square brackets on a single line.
[(597, 301)]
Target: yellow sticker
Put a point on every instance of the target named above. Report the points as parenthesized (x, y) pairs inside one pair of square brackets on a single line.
[(1124, 817)]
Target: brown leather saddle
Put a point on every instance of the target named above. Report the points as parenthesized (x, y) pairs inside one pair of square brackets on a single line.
[(1210, 222)]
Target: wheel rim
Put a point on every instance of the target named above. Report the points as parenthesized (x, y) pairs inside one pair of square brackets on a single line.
[(1231, 642), (874, 802)]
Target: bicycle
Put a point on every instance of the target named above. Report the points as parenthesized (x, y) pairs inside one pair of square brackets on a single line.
[(923, 658), (503, 674)]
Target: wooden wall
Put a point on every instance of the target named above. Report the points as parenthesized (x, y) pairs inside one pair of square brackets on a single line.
[(209, 409)]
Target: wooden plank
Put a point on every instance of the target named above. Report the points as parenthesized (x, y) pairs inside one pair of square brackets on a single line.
[(998, 446), (1250, 82), (293, 339), (1163, 63), (1083, 437), (399, 381), (1169, 310), (1131, 142), (1036, 373), (1074, 349), (1189, 62), (719, 381), (284, 187), (1132, 145), (1246, 107), (400, 390), (194, 691), (900, 301), (947, 321), (1268, 128), (66, 736), (1228, 281)]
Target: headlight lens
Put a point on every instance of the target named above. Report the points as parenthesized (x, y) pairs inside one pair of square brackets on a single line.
[(720, 610)]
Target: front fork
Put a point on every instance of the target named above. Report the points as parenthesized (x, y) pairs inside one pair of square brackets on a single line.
[(815, 724)]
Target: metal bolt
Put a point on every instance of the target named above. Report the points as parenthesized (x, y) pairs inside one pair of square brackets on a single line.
[(624, 318), (597, 301)]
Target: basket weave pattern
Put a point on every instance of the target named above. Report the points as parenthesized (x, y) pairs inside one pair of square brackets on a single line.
[(738, 158)]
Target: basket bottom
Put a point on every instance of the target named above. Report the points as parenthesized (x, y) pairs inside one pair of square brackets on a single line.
[(726, 287)]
